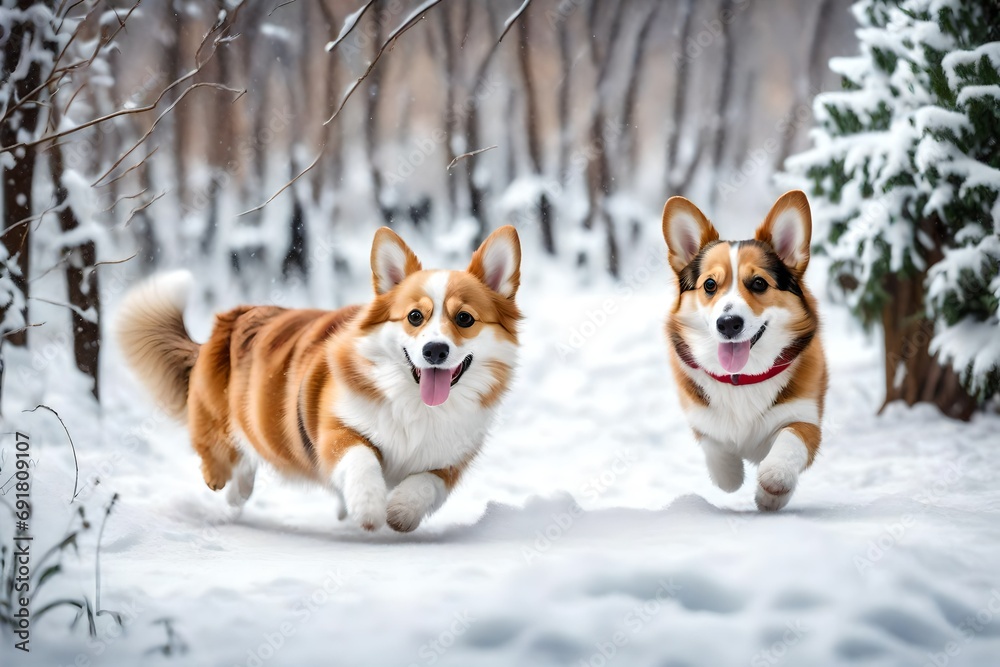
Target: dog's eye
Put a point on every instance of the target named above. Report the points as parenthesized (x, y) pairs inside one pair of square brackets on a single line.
[(464, 320), (758, 285), (711, 286), (416, 318)]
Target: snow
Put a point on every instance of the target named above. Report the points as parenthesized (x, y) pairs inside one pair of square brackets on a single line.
[(349, 22), (970, 344), (587, 534), (956, 59)]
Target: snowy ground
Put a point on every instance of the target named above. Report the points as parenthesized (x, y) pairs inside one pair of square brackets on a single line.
[(588, 533)]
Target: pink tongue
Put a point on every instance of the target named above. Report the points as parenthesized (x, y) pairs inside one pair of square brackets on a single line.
[(734, 356), (435, 383)]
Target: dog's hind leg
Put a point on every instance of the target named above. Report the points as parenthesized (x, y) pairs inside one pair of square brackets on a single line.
[(241, 484), (213, 443), (725, 467)]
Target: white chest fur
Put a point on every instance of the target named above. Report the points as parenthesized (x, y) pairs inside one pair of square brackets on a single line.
[(414, 437), (744, 419)]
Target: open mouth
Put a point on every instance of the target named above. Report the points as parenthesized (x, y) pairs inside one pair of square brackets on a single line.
[(436, 383), (734, 356)]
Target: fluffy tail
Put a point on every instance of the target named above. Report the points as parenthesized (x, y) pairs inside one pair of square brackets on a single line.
[(156, 344)]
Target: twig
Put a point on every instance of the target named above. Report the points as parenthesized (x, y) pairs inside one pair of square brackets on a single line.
[(76, 309), (76, 462), (140, 208), (123, 198), (156, 122), (469, 154), (511, 20), (348, 27), (14, 332), (133, 167), (286, 185), (277, 7), (415, 18), (104, 118)]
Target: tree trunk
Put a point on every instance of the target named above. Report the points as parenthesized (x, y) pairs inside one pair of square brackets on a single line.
[(18, 174), (81, 280), (565, 91), (724, 101), (807, 83), (907, 339), (628, 154), (531, 121), (372, 124), (676, 182), (296, 255), (912, 374), (599, 176), (449, 49)]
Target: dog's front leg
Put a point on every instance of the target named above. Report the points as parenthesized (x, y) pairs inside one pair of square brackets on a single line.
[(419, 495), (725, 467), (358, 477), (792, 452)]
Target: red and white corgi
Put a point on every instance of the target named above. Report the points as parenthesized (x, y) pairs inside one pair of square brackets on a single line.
[(745, 347), (386, 403)]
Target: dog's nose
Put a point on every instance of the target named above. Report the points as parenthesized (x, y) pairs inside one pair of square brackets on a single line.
[(729, 326), (435, 353)]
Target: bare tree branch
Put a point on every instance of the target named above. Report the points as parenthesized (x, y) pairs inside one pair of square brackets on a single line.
[(286, 185), (145, 136), (349, 24), (413, 19), (458, 158)]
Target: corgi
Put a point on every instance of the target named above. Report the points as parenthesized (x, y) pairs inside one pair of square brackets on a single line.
[(744, 345), (385, 404)]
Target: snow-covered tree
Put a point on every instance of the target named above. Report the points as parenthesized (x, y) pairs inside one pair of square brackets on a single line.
[(905, 179)]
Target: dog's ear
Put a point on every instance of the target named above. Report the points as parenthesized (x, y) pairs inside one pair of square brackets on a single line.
[(392, 260), (788, 230), (498, 262), (686, 231)]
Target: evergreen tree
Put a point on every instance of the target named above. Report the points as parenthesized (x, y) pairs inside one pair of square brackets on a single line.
[(905, 183)]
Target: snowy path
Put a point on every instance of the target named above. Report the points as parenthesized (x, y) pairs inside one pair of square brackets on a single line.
[(588, 533)]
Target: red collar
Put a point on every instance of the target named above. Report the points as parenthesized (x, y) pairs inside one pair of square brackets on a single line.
[(784, 360)]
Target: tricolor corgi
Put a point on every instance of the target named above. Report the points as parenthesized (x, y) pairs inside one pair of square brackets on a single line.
[(744, 345), (386, 404)]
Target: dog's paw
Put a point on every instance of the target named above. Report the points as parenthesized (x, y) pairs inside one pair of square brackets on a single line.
[(367, 506), (215, 475), (728, 477), (775, 484), (724, 467), (403, 517), (415, 497)]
